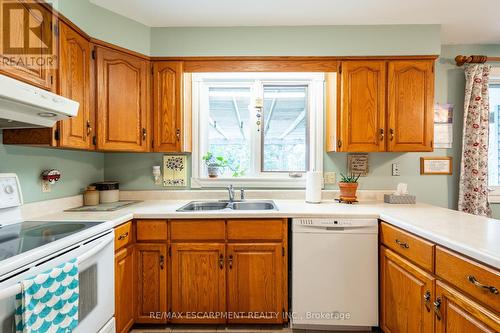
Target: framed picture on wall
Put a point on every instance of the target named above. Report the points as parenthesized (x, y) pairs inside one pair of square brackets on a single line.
[(436, 165)]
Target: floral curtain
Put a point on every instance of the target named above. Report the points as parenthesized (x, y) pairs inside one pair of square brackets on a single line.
[(473, 191)]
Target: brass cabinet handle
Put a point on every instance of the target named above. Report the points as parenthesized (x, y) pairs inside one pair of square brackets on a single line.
[(437, 308), (221, 261), (381, 134), (178, 134), (402, 244), (123, 236), (475, 282), (144, 134), (230, 261), (427, 300), (391, 131), (89, 128), (162, 261)]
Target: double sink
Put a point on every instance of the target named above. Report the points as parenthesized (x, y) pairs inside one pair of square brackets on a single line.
[(222, 205)]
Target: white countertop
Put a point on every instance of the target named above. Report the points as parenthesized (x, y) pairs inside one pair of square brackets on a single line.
[(473, 236)]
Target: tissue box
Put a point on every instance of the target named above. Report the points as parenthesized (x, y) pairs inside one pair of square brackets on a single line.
[(400, 199)]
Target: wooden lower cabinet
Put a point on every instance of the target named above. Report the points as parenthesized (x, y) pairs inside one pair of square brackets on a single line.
[(198, 282), (151, 283), (124, 289), (406, 295), (459, 314), (255, 283)]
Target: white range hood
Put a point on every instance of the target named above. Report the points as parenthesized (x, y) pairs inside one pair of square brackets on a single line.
[(25, 106)]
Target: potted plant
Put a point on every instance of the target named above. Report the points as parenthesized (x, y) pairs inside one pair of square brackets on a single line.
[(215, 164), (348, 186)]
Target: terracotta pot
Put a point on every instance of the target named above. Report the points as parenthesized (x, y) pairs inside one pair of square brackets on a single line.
[(348, 191)]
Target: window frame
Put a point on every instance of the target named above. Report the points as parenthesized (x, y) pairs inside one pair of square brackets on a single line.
[(316, 97), (494, 190)]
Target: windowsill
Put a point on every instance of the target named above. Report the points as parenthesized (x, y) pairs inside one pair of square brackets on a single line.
[(494, 194), (262, 182)]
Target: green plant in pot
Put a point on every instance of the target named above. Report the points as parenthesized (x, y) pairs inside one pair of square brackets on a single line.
[(348, 186), (215, 164)]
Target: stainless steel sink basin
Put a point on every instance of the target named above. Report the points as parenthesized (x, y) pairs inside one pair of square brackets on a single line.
[(253, 205), (221, 205)]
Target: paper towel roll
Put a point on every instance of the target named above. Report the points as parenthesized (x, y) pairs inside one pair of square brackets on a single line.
[(313, 186)]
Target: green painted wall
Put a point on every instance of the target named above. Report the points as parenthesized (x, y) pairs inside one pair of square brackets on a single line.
[(105, 25), (78, 169), (300, 40)]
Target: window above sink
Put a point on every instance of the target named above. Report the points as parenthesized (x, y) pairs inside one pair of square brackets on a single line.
[(253, 121)]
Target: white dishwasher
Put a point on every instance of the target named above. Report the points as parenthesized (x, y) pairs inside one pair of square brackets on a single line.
[(334, 273)]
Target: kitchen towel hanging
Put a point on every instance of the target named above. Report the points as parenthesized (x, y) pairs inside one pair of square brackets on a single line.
[(48, 302)]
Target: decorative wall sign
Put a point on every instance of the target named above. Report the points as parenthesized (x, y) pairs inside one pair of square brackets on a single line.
[(436, 165), (357, 164), (443, 125), (174, 170)]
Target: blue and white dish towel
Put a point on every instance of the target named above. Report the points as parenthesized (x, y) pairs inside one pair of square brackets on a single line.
[(48, 302)]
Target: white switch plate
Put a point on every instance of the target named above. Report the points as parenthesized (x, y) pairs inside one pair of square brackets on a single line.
[(46, 187), (330, 178), (395, 169)]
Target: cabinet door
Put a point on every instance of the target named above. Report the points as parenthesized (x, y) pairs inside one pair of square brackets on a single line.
[(456, 313), (74, 78), (124, 289), (255, 283), (362, 110), (198, 282), (167, 85), (151, 283), (410, 105), (29, 50), (406, 293), (122, 101)]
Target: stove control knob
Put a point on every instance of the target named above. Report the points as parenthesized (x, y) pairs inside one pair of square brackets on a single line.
[(9, 189)]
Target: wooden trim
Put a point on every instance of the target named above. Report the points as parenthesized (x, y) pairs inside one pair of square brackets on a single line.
[(118, 48), (296, 58), (474, 59), (243, 65), (331, 112), (423, 159)]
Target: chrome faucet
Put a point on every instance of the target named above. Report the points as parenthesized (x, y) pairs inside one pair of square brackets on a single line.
[(242, 194), (230, 192)]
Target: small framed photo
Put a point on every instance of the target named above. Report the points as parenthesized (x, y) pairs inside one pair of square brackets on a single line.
[(357, 164), (436, 165)]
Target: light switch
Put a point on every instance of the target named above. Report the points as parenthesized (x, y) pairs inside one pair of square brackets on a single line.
[(330, 178), (395, 169)]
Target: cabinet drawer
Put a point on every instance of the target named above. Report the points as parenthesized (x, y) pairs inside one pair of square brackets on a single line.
[(197, 230), (123, 235), (151, 230), (412, 247), (479, 281), (241, 229)]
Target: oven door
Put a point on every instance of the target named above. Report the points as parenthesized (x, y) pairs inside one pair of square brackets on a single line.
[(96, 278)]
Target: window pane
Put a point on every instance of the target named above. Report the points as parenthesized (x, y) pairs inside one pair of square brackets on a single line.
[(228, 133), (284, 129), (494, 144)]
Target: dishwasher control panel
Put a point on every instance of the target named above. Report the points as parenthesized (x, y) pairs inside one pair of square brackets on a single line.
[(334, 224)]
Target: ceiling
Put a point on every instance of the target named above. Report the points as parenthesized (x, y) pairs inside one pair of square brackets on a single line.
[(463, 21)]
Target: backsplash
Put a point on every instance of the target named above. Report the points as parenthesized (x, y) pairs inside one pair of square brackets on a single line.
[(78, 169)]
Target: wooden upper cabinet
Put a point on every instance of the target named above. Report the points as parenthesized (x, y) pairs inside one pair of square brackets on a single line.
[(362, 107), (151, 284), (406, 293), (29, 44), (255, 282), (122, 101), (456, 313), (168, 104), (410, 105), (74, 78), (198, 281)]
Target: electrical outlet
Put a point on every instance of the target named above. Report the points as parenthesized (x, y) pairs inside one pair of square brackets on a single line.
[(330, 178), (46, 187), (395, 169)]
